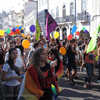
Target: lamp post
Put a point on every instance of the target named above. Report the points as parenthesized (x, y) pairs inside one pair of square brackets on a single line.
[(75, 17)]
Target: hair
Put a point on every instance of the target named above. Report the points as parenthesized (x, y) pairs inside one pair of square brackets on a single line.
[(56, 53), (41, 36), (2, 52), (40, 40), (72, 40), (81, 35), (35, 61), (35, 44), (10, 60), (13, 42)]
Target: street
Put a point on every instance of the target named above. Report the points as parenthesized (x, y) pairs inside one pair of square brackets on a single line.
[(78, 91)]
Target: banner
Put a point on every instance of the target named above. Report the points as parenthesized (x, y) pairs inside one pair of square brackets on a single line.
[(38, 31), (93, 43), (50, 25)]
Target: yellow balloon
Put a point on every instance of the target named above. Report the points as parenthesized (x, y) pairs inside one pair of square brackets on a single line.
[(1, 32), (22, 28), (93, 32), (26, 44), (51, 36), (28, 37), (77, 27), (62, 50), (56, 34)]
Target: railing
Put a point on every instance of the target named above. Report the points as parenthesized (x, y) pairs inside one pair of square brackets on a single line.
[(69, 18), (83, 17)]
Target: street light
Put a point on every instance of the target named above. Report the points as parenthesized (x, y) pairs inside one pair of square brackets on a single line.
[(75, 16)]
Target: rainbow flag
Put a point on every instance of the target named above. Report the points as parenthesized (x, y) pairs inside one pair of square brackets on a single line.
[(30, 87)]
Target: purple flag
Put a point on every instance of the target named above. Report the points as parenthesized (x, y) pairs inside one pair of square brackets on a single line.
[(50, 25)]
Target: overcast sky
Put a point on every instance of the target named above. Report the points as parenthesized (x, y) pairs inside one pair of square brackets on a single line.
[(16, 5)]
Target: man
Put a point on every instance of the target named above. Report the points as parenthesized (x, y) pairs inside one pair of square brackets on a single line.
[(35, 46), (81, 42), (71, 61), (19, 45), (19, 61)]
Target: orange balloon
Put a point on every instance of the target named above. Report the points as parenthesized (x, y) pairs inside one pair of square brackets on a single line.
[(17, 25), (26, 44), (62, 50)]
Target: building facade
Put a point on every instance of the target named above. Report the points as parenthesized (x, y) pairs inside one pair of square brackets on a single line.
[(63, 11), (29, 20), (12, 20), (2, 15)]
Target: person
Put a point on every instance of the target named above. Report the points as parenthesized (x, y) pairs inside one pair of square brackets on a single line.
[(1, 65), (81, 42), (41, 37), (71, 61), (58, 43), (41, 76), (1, 59), (19, 61), (41, 43), (35, 46), (53, 42), (58, 69), (10, 77), (19, 45), (98, 62), (89, 64)]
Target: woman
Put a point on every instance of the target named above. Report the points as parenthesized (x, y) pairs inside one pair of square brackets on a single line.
[(58, 70), (40, 76), (10, 76)]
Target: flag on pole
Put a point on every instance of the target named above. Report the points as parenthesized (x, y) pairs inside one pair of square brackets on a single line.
[(50, 25), (93, 43), (38, 31)]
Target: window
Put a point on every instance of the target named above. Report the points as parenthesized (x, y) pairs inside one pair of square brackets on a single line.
[(64, 10), (71, 8), (52, 13), (57, 12), (84, 5)]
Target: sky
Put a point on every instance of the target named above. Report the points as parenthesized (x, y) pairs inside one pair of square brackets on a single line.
[(16, 5)]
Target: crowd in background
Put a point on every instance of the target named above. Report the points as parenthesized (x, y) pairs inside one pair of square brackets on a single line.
[(44, 55)]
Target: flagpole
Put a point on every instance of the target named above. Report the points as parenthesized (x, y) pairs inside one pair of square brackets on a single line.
[(37, 10)]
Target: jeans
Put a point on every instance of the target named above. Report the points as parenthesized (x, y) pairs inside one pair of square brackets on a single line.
[(89, 68), (99, 69)]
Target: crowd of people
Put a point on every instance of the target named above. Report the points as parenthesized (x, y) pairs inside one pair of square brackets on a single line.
[(42, 61)]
